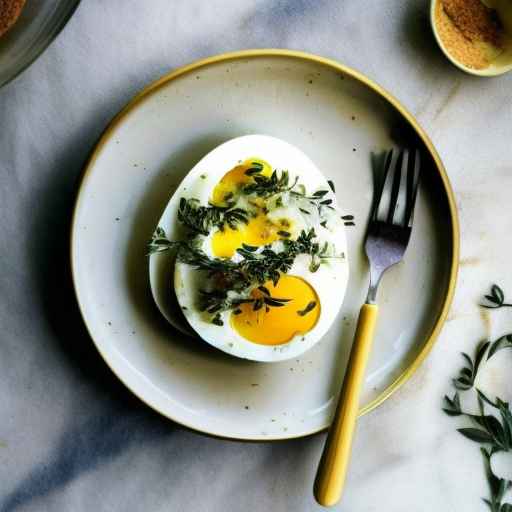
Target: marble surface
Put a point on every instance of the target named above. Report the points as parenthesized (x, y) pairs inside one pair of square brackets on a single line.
[(72, 438)]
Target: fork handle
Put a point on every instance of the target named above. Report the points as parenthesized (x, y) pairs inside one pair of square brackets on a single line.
[(330, 478)]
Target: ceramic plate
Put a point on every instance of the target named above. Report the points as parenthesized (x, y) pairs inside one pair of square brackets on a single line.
[(343, 122)]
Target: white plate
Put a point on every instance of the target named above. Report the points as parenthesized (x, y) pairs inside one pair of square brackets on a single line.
[(338, 118)]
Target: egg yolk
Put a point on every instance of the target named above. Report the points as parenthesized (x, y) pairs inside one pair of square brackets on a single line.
[(277, 325), (259, 230), (235, 179)]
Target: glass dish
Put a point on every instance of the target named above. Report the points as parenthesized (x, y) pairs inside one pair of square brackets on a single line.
[(39, 24)]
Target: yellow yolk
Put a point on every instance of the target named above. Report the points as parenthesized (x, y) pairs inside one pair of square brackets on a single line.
[(234, 179), (279, 325), (259, 230)]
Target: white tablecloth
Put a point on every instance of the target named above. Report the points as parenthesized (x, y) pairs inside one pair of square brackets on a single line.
[(72, 438)]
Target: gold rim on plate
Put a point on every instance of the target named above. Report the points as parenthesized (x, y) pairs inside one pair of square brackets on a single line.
[(333, 65)]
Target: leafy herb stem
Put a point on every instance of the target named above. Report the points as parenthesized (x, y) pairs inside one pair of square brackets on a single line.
[(492, 430), (199, 220), (255, 269), (496, 297), (216, 301), (268, 186)]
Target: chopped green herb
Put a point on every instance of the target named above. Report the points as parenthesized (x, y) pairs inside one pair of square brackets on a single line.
[(217, 320), (255, 269), (264, 290), (201, 219), (311, 305), (256, 168)]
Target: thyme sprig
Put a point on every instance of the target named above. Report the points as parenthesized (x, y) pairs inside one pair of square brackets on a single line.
[(279, 183), (467, 375), (496, 297), (490, 429), (201, 219), (267, 186), (494, 431), (218, 301), (498, 486), (256, 266), (255, 269)]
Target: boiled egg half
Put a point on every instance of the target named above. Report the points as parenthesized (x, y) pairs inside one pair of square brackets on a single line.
[(254, 251)]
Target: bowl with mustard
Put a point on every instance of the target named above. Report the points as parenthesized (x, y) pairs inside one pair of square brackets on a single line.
[(475, 35)]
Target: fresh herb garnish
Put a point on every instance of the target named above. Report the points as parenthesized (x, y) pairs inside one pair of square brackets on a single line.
[(256, 168), (492, 430), (217, 320), (331, 185), (348, 220), (267, 186), (496, 298), (160, 243), (201, 219), (467, 375), (255, 269), (217, 301), (303, 312), (504, 341), (279, 183)]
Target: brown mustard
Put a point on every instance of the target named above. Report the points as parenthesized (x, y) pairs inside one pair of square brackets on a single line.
[(470, 31), (10, 11)]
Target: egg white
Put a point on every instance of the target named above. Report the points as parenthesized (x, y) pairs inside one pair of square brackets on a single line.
[(329, 281)]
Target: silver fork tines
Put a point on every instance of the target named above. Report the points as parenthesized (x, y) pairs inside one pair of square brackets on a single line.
[(391, 221)]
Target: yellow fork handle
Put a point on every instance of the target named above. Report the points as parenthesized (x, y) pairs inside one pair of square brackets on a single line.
[(332, 470)]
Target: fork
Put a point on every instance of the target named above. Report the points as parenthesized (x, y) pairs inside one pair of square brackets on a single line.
[(388, 234)]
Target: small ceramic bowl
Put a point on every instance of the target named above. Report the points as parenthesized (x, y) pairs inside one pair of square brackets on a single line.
[(502, 64)]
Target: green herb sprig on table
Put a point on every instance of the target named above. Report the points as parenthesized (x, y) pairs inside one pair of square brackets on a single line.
[(493, 431), (467, 375), (496, 298)]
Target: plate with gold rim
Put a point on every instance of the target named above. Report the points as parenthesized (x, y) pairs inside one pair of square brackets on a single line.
[(343, 122)]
